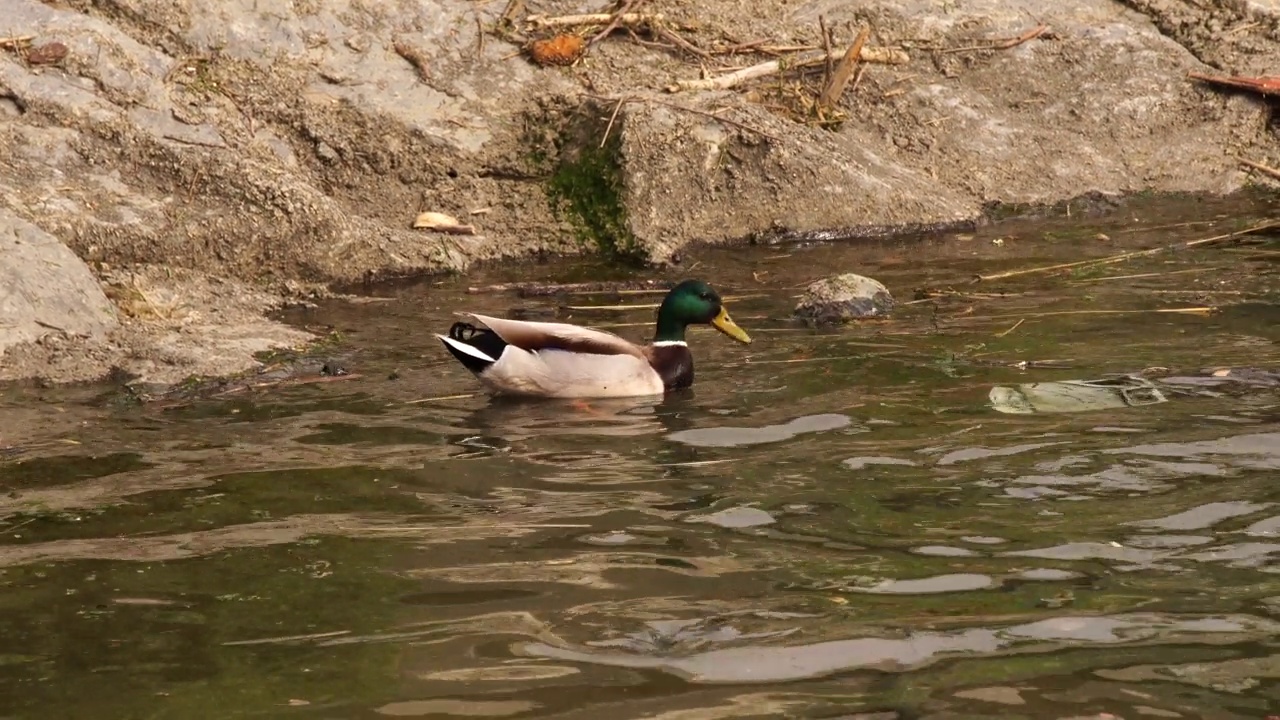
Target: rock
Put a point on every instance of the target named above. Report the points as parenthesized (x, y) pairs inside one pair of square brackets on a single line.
[(253, 165), (173, 324), (957, 136), (45, 289), (844, 297), (688, 177), (1199, 27)]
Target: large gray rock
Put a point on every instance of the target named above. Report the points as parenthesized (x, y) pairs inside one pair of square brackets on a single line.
[(1100, 104), (687, 177), (844, 297), (273, 141), (45, 289)]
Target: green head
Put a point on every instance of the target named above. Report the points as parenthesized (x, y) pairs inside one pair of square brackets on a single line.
[(694, 302)]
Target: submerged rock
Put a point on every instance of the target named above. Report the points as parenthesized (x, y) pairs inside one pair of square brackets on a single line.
[(844, 297)]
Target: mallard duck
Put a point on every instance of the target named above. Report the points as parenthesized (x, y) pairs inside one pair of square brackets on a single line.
[(559, 360)]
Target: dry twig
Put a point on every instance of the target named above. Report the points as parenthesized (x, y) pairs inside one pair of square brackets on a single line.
[(1264, 85), (676, 106), (440, 398), (535, 289), (881, 55), (1267, 169), (626, 8), (1015, 327), (828, 68), (197, 143), (613, 117), (1139, 276), (509, 13), (15, 42), (1201, 310), (624, 307), (674, 38), (840, 78), (1268, 225), (630, 19), (288, 382), (1027, 36)]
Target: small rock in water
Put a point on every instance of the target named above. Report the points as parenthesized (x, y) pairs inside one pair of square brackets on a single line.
[(333, 369), (844, 297)]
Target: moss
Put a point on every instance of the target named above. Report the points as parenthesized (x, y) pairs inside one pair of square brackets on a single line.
[(586, 188)]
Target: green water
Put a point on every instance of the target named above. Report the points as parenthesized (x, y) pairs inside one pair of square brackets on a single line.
[(832, 522)]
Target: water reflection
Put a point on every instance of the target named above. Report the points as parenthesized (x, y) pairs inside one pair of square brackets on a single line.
[(771, 663), (516, 420), (729, 436), (839, 525)]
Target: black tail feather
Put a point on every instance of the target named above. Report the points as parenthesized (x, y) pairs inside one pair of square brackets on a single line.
[(482, 339)]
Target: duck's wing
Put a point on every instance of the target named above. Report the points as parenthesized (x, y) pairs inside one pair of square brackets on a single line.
[(532, 336)]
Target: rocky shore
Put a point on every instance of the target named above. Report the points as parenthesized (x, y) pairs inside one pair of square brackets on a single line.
[(171, 170)]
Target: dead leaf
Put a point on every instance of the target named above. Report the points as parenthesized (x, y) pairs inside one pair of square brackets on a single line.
[(440, 222)]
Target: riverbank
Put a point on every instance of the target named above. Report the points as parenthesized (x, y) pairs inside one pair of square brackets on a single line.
[(179, 170)]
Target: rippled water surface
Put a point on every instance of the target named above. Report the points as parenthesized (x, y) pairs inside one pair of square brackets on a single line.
[(832, 524)]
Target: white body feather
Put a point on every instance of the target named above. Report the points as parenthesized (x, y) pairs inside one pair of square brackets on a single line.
[(564, 374)]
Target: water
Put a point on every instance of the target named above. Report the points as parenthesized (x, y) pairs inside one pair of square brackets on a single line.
[(833, 524)]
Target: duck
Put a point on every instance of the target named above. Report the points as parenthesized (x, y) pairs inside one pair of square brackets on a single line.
[(561, 360)]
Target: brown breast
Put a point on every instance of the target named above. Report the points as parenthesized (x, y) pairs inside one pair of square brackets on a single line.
[(673, 363)]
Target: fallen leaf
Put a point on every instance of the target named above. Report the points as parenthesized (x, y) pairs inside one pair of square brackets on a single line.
[(442, 223)]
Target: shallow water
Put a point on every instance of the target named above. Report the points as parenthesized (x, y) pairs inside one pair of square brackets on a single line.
[(832, 522)]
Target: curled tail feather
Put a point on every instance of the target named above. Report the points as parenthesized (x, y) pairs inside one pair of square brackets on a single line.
[(476, 348)]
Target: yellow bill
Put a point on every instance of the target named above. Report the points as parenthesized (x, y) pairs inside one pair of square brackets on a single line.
[(726, 325)]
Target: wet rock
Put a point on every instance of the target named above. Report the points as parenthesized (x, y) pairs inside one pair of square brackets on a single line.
[(844, 297), (333, 368), (45, 289)]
